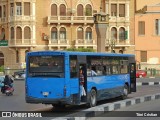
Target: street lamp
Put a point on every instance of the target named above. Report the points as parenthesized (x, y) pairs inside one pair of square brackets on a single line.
[(101, 21), (112, 44)]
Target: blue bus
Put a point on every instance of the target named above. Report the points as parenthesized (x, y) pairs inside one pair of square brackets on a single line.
[(52, 77)]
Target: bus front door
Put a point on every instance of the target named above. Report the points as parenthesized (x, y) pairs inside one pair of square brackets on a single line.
[(83, 85), (133, 77), (82, 88)]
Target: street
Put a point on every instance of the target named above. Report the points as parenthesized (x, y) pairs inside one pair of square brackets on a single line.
[(17, 101)]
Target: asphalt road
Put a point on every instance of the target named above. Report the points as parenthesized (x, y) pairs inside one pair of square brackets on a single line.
[(140, 111), (17, 101)]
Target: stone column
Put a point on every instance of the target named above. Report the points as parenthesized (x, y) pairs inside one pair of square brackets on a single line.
[(101, 36), (101, 22)]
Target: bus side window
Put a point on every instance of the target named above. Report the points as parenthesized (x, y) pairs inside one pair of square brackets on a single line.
[(73, 70), (108, 69)]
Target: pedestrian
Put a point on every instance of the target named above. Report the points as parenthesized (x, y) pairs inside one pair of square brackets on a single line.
[(81, 77), (7, 82)]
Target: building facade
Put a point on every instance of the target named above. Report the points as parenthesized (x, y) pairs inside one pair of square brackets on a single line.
[(120, 34), (32, 25), (147, 37), (139, 4)]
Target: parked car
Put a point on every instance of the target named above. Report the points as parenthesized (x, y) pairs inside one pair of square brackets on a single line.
[(141, 73), (19, 74), (1, 81)]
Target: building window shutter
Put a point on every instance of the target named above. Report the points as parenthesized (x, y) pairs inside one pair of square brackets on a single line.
[(113, 9), (80, 10), (88, 11), (62, 10), (54, 10), (122, 10), (12, 33), (19, 33), (141, 28), (27, 33), (80, 33), (0, 11), (27, 8), (143, 56)]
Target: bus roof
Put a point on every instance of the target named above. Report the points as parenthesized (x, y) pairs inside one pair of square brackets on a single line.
[(80, 53)]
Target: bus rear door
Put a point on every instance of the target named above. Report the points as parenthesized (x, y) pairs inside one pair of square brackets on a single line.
[(132, 67), (83, 66)]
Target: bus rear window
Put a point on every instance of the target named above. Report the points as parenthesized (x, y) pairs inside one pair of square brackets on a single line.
[(46, 66)]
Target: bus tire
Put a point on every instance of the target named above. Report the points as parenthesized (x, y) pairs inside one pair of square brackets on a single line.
[(125, 92), (93, 98)]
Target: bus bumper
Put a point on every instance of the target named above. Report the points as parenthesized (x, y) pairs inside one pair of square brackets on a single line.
[(48, 100)]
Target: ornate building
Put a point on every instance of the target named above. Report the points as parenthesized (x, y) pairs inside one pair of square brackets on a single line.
[(31, 25), (120, 33)]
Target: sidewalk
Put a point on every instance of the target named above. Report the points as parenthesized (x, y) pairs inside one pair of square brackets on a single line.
[(101, 109)]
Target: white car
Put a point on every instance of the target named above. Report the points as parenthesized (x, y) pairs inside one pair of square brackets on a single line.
[(23, 76)]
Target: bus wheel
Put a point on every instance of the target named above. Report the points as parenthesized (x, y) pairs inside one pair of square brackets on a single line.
[(125, 92), (93, 98)]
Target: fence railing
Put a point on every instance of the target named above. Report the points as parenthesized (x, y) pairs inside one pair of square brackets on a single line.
[(153, 73)]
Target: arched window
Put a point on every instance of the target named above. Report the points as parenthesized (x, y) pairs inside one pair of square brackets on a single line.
[(62, 10), (19, 33), (88, 10), (121, 51), (2, 35), (114, 33), (17, 56), (80, 10), (12, 33), (62, 35), (121, 33), (88, 33), (4, 11), (0, 11), (54, 33), (27, 33), (80, 33), (54, 10)]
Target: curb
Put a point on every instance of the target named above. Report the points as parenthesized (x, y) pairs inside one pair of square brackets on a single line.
[(147, 83), (98, 110)]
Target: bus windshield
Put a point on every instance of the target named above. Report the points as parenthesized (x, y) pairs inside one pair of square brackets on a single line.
[(46, 66)]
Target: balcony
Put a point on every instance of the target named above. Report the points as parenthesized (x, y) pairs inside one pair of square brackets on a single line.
[(70, 19), (58, 42), (21, 18), (19, 0), (21, 42), (118, 43), (85, 42), (3, 20), (118, 19)]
